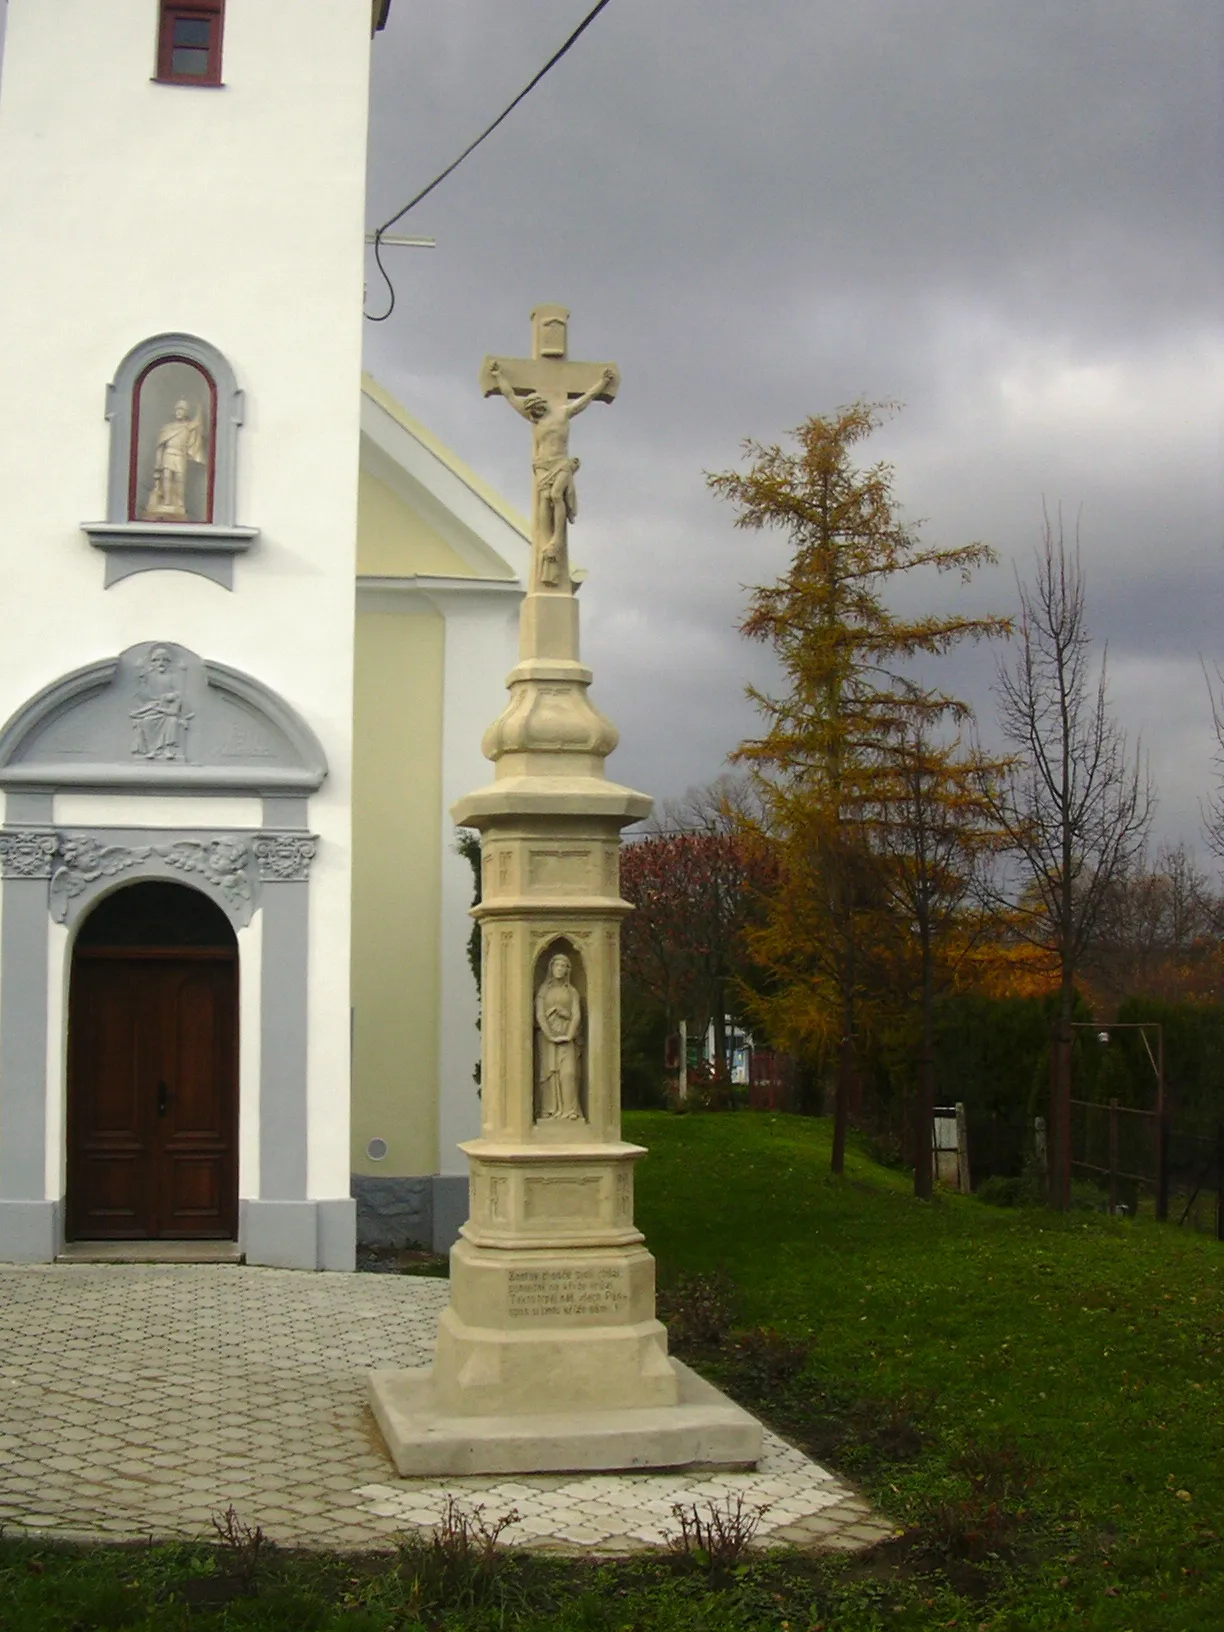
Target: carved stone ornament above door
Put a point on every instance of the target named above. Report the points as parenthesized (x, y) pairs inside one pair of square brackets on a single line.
[(230, 867), (174, 409), (158, 718)]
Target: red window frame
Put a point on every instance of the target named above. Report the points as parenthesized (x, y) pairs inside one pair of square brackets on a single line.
[(134, 450), (211, 12)]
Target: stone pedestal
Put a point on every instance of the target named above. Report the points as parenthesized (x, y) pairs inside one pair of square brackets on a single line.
[(549, 1355)]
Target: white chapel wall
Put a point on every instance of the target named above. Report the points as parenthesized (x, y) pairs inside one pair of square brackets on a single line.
[(130, 209)]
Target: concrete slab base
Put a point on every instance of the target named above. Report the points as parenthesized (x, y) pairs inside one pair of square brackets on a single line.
[(704, 1430), (149, 1252)]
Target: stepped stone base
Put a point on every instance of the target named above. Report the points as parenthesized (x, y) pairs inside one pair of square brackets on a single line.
[(704, 1429)]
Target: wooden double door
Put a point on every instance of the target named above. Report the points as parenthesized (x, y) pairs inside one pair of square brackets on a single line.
[(152, 1093)]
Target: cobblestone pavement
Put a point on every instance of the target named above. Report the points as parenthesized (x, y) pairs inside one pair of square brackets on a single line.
[(142, 1399)]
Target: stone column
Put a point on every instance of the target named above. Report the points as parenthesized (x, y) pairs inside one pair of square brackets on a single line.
[(549, 1355), (552, 1301)]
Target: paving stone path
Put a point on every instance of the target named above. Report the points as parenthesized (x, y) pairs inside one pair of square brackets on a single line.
[(143, 1399)]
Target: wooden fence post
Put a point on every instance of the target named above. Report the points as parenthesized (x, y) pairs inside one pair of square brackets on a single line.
[(1113, 1158), (1220, 1182), (1041, 1153), (962, 1149), (1162, 1166)]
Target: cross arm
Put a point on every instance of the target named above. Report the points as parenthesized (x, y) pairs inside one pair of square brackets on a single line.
[(549, 376)]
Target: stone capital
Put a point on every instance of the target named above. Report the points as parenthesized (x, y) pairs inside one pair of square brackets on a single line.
[(285, 858), (28, 854)]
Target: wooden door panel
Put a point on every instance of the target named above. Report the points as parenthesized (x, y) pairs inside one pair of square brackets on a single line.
[(143, 1162), (190, 1058), (108, 1047), (114, 1199), (110, 1132), (197, 1188)]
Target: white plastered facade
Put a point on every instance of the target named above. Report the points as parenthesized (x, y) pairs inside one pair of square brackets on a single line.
[(234, 216)]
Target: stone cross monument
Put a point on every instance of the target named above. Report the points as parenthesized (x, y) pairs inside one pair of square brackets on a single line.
[(549, 1355)]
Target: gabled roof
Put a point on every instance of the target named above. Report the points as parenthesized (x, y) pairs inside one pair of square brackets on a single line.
[(458, 505)]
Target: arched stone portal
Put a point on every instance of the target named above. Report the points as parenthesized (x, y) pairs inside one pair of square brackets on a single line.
[(153, 1069), (116, 743)]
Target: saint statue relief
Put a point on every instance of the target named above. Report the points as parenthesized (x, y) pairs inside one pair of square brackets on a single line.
[(180, 444), (551, 464), (558, 1017), (159, 720)]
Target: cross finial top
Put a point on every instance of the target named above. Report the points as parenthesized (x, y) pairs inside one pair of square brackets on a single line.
[(550, 332)]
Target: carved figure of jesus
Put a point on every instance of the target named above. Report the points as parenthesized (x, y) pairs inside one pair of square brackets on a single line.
[(558, 1017), (551, 464), (179, 444), (159, 721)]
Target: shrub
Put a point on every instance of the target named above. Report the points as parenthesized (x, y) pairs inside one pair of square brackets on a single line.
[(698, 1310), (1001, 1192)]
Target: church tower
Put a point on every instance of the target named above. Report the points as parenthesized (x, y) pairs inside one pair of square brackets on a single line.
[(181, 260)]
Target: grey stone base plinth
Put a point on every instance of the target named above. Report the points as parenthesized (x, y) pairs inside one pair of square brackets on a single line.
[(299, 1234), (31, 1232), (703, 1430)]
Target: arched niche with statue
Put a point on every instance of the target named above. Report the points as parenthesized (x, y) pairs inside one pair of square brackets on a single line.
[(175, 409)]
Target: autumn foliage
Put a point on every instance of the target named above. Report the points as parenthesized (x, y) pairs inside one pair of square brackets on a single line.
[(695, 896)]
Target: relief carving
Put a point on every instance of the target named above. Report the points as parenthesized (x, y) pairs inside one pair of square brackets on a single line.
[(82, 862), (497, 1197), (558, 1018), (223, 862), (160, 718), (27, 855), (624, 1194), (285, 858)]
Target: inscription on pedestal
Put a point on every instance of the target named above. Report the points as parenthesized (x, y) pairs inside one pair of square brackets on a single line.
[(547, 1293)]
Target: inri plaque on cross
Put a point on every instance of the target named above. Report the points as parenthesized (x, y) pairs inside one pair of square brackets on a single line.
[(548, 389)]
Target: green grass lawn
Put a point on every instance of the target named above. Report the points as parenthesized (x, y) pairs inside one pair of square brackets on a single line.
[(1035, 1402), (999, 1380)]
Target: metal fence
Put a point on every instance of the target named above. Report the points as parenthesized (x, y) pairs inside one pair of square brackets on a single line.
[(1136, 1157)]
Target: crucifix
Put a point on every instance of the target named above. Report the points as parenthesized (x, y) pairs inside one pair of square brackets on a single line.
[(548, 389)]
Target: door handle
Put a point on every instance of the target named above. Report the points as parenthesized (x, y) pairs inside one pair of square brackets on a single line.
[(163, 1098)]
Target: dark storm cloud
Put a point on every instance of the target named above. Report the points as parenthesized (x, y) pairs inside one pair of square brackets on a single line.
[(1005, 215)]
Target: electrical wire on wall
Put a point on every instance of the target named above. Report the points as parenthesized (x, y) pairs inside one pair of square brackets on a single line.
[(381, 317)]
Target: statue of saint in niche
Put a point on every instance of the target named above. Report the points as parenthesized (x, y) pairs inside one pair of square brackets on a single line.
[(160, 719), (558, 1017), (180, 444)]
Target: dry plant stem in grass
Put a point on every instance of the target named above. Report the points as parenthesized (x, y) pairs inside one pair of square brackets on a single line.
[(851, 688), (716, 1535), (458, 1563), (241, 1544)]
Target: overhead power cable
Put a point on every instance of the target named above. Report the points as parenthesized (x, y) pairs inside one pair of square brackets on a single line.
[(469, 149)]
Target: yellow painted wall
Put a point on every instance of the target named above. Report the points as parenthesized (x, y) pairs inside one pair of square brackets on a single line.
[(393, 541), (397, 839)]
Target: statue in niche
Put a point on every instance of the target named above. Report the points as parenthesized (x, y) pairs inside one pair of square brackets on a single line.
[(551, 464), (180, 444), (558, 1017), (160, 718)]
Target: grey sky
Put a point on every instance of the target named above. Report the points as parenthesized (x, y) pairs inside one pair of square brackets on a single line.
[(1005, 215)]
